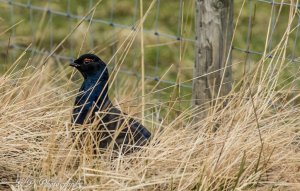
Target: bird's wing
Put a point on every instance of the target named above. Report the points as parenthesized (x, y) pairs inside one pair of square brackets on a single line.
[(125, 130)]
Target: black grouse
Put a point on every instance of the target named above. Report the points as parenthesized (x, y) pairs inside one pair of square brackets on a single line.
[(116, 129)]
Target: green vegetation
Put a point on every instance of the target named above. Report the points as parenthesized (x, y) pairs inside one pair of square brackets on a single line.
[(46, 29)]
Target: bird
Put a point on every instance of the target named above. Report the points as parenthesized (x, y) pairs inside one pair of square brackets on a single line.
[(92, 104)]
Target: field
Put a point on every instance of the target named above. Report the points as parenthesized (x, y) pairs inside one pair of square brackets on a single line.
[(250, 143)]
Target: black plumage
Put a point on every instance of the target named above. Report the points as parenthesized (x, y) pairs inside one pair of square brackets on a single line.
[(115, 128)]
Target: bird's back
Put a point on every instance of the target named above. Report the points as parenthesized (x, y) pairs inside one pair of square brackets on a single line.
[(121, 132)]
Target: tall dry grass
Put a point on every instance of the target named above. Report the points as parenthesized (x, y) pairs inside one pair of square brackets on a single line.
[(249, 141), (252, 143)]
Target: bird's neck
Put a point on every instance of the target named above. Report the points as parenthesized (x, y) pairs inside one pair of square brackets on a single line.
[(94, 77), (91, 75), (98, 88)]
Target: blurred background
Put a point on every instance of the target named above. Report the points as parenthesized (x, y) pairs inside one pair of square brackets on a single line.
[(169, 37)]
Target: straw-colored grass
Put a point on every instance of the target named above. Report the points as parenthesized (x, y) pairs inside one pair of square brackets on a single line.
[(249, 142)]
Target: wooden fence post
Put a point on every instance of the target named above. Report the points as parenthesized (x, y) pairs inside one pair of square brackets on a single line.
[(214, 29)]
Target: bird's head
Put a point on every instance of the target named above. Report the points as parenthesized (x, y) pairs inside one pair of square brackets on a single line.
[(90, 65)]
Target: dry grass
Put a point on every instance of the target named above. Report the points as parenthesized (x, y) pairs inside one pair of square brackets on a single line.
[(250, 143)]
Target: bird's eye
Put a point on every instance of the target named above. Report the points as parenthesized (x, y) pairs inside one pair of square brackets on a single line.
[(87, 60)]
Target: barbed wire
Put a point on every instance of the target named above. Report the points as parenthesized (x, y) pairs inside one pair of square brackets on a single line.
[(273, 2), (155, 31)]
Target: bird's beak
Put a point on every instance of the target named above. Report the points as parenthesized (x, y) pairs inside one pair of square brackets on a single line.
[(73, 64)]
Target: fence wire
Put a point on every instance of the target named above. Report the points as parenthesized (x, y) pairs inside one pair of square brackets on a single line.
[(162, 39)]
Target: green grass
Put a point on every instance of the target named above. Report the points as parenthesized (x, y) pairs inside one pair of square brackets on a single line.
[(40, 26)]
